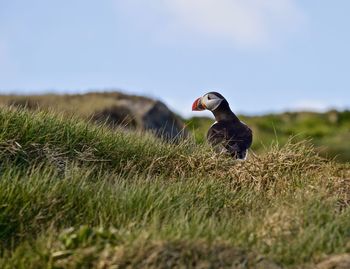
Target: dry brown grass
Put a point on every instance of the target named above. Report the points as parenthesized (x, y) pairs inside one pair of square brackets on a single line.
[(165, 254)]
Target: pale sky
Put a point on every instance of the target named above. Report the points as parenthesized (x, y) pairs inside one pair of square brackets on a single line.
[(263, 55)]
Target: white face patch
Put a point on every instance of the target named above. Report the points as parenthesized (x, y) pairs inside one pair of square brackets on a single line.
[(211, 101)]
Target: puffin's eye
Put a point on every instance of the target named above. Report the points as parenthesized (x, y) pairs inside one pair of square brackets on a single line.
[(209, 97)]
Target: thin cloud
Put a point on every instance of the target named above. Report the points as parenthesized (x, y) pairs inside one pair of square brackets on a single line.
[(310, 105), (242, 22)]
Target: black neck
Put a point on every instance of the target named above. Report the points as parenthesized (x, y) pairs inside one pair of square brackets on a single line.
[(224, 113)]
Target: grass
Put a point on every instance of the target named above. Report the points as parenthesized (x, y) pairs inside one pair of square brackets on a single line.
[(84, 105), (77, 195), (328, 131)]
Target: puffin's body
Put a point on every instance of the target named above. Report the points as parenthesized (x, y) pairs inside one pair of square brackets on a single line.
[(228, 133)]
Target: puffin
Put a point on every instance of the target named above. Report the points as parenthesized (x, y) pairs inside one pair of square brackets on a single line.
[(228, 134)]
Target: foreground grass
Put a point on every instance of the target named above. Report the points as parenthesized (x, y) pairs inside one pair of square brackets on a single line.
[(75, 196)]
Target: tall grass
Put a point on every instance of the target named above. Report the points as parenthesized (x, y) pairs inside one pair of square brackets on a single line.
[(73, 195)]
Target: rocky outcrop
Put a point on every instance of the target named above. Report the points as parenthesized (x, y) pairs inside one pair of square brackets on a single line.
[(116, 116), (116, 109), (162, 121), (145, 114)]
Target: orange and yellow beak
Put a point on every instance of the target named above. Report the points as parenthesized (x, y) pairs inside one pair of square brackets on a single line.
[(198, 105)]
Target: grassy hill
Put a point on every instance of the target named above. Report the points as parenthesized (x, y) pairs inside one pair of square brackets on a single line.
[(75, 195), (83, 105), (329, 132)]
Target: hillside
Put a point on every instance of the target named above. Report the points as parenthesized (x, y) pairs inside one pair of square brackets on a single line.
[(329, 132), (115, 109), (77, 195)]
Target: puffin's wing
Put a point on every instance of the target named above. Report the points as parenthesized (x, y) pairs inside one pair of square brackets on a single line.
[(240, 140), (216, 135), (236, 151), (231, 138)]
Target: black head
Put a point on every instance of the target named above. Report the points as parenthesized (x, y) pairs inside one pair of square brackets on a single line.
[(210, 101)]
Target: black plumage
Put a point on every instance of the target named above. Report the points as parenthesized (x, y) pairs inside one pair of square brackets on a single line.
[(232, 137), (228, 133)]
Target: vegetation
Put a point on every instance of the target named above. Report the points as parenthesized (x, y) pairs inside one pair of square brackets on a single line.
[(329, 132), (83, 105), (77, 195)]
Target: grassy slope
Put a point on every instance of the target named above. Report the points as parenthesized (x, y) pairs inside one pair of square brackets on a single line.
[(78, 104), (330, 132), (74, 195)]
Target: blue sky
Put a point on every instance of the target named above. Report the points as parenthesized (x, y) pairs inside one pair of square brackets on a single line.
[(262, 55)]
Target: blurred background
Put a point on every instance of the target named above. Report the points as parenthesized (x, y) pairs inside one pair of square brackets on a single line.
[(283, 65)]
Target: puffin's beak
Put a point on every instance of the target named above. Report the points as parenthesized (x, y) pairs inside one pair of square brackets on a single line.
[(198, 105)]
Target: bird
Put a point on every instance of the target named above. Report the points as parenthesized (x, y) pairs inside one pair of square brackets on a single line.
[(228, 134)]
